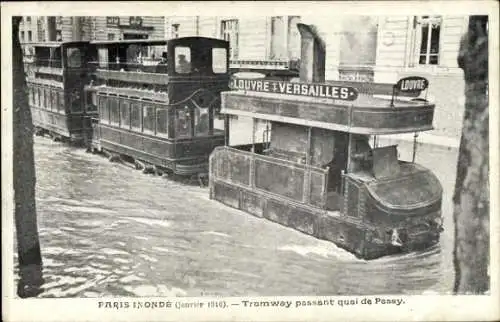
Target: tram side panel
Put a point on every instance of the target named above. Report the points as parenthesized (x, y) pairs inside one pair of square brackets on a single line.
[(170, 136)]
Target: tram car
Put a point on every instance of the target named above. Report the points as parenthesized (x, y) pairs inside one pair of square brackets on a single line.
[(55, 80), (321, 170), (159, 111)]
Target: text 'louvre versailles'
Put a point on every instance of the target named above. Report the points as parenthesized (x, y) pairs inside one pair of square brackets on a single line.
[(279, 87)]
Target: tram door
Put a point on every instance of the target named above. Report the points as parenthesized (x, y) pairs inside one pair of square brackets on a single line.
[(336, 166)]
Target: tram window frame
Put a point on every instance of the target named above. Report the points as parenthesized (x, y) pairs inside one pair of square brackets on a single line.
[(91, 101), (61, 105), (54, 100), (70, 51), (125, 114), (148, 117), (48, 98), (188, 114), (135, 118), (114, 110), (31, 96), (215, 67), (103, 109), (186, 52), (162, 130), (75, 101), (41, 97), (197, 122), (35, 96), (103, 58)]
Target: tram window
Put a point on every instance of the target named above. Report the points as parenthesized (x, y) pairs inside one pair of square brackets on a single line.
[(103, 109), (125, 114), (75, 99), (42, 97), (35, 96), (149, 118), (54, 100), (74, 57), (31, 96), (135, 116), (114, 111), (219, 60), (182, 60), (91, 101), (61, 102), (162, 121), (47, 99), (103, 57), (183, 121), (201, 122)]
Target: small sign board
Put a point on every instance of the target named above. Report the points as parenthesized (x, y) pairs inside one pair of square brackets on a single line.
[(345, 93), (412, 84)]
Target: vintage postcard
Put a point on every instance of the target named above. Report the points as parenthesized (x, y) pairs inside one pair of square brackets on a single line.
[(264, 161)]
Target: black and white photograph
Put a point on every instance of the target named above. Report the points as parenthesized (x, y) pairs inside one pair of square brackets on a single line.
[(203, 163)]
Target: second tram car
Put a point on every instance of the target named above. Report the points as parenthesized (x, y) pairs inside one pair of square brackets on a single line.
[(159, 111), (55, 83)]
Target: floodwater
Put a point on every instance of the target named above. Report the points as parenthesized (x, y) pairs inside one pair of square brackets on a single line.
[(109, 230)]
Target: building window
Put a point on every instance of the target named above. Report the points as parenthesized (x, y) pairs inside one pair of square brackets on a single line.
[(429, 30), (30, 36), (230, 32), (22, 36), (28, 19), (175, 30), (277, 38), (293, 38), (111, 36)]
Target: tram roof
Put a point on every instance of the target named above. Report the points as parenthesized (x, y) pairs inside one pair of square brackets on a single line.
[(55, 43), (153, 41)]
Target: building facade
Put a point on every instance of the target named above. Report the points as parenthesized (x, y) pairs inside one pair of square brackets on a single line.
[(427, 46), (358, 48)]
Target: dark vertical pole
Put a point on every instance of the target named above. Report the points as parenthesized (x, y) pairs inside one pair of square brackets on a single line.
[(313, 55), (28, 244), (471, 197), (226, 129)]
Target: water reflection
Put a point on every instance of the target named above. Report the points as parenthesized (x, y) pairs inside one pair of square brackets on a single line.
[(107, 230)]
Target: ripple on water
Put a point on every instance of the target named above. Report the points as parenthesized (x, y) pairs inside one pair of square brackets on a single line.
[(215, 233), (323, 250), (121, 260), (150, 222), (152, 291), (131, 278), (112, 251), (163, 249), (148, 258)]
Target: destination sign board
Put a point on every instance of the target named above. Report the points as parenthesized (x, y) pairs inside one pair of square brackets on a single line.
[(412, 84), (345, 93)]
